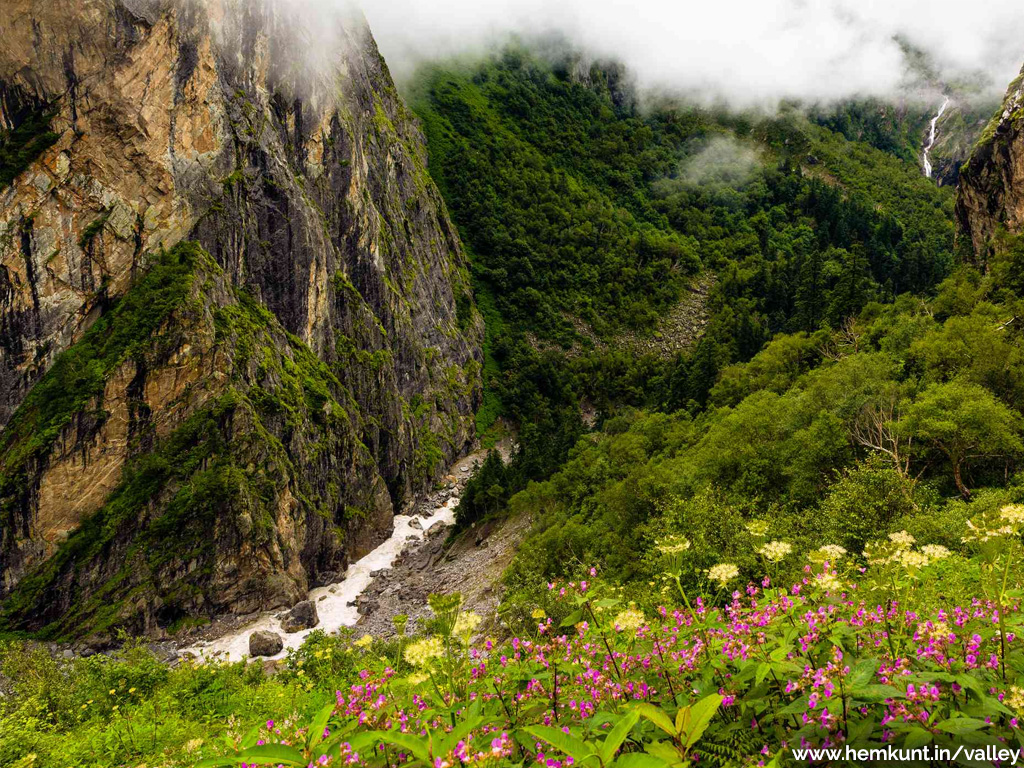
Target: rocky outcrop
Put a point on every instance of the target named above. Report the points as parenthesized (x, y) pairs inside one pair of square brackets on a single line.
[(991, 194), (246, 416)]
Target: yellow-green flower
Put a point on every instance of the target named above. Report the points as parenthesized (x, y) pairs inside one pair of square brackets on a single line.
[(902, 539), (758, 528), (674, 545), (422, 652), (723, 573), (935, 552), (775, 551), (364, 642), (630, 620), (467, 623), (832, 552), (1012, 513)]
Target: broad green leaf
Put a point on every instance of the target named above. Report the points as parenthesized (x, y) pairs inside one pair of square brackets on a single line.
[(357, 741), (663, 750), (863, 673), (639, 760), (316, 729), (417, 745), (618, 734), (272, 754), (877, 692), (250, 739), (445, 742), (701, 715), (762, 672), (917, 737), (572, 619), (570, 745), (961, 725), (657, 716)]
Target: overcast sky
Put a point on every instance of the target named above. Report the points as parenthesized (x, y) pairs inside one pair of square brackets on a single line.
[(744, 50)]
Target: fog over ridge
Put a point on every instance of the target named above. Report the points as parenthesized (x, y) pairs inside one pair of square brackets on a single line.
[(745, 51)]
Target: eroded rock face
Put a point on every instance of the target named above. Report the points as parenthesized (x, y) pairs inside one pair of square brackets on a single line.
[(299, 170), (991, 194)]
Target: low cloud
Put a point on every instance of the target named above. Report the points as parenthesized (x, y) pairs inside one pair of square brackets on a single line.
[(749, 52)]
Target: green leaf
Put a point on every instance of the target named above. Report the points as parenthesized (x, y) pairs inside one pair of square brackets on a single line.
[(917, 737), (616, 736), (863, 673), (960, 725), (417, 745), (445, 743), (639, 760), (701, 715), (657, 716), (273, 754), (664, 751), (358, 741), (316, 728), (572, 619), (218, 762), (762, 672), (570, 745), (878, 693)]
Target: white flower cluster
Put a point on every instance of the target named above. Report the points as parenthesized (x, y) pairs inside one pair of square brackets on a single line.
[(422, 652), (723, 573), (758, 528), (991, 525), (775, 551), (630, 620), (673, 545)]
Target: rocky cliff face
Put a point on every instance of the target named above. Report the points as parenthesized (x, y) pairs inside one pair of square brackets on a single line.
[(212, 426), (991, 196)]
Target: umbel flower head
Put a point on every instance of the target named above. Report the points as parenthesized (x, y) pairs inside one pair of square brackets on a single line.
[(1015, 699), (935, 552), (630, 620), (422, 652), (1012, 513), (902, 539), (723, 573), (913, 560), (829, 582), (467, 623), (993, 525), (673, 545), (757, 528), (775, 551)]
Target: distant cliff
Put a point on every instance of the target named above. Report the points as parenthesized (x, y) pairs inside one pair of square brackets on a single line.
[(991, 196), (236, 329)]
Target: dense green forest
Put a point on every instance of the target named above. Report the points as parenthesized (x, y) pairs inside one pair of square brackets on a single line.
[(587, 215)]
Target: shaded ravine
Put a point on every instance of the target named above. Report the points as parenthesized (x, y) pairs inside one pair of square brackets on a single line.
[(931, 137), (335, 603)]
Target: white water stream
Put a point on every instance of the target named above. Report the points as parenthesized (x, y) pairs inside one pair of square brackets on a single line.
[(931, 138), (334, 610)]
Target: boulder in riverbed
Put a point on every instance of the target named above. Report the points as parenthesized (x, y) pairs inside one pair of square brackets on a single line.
[(302, 616), (263, 643)]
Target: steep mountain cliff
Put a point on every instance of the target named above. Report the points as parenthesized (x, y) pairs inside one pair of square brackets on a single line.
[(236, 331), (991, 195)]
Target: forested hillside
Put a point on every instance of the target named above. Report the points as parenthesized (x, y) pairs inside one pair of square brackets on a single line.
[(587, 214)]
